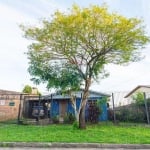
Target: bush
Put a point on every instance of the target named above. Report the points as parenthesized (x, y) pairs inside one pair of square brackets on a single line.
[(55, 119), (93, 113), (75, 125), (110, 115), (132, 113), (69, 118), (122, 115)]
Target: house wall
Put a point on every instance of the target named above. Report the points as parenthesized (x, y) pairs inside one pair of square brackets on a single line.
[(55, 109), (8, 112)]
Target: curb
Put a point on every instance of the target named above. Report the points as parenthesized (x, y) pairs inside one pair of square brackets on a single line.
[(73, 145)]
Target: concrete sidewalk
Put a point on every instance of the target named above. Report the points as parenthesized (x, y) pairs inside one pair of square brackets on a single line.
[(74, 145)]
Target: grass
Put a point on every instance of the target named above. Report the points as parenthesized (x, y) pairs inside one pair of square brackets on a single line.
[(102, 133)]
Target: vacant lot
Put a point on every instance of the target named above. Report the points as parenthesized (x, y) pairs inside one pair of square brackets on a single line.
[(102, 133)]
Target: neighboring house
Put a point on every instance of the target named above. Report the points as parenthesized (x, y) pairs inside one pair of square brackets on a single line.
[(139, 88), (126, 97), (9, 104), (59, 105)]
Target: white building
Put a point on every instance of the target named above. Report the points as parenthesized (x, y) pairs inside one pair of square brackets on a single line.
[(126, 97)]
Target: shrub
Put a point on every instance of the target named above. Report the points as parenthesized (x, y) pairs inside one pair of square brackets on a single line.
[(55, 119), (132, 113), (93, 112), (69, 118), (75, 125), (110, 115)]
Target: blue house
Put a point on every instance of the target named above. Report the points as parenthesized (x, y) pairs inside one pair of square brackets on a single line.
[(60, 104)]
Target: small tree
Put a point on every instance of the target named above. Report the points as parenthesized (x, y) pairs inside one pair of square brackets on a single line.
[(86, 39), (61, 76), (30, 90), (93, 112), (139, 98), (27, 89)]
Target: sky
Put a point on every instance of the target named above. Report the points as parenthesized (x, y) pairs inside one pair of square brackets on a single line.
[(13, 46)]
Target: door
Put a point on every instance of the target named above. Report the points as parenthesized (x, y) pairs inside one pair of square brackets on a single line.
[(62, 109)]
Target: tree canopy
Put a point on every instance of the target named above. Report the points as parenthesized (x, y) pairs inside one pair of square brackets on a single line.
[(27, 89), (139, 98), (30, 90), (81, 42)]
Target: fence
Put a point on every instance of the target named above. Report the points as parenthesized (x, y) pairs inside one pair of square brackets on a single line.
[(132, 111)]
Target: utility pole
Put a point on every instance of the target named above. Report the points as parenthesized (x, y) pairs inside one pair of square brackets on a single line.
[(19, 111), (114, 115), (146, 108)]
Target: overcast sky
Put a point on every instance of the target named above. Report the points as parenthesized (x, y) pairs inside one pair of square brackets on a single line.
[(14, 63)]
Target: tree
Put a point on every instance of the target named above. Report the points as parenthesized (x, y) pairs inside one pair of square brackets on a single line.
[(30, 90), (86, 39), (139, 98), (27, 89), (61, 76)]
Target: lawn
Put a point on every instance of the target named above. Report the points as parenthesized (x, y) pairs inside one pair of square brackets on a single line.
[(102, 133)]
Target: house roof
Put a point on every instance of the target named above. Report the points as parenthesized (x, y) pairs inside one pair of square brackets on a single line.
[(98, 93), (3, 92), (78, 94), (138, 87)]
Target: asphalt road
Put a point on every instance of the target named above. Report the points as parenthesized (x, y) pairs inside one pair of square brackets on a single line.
[(29, 148), (52, 149)]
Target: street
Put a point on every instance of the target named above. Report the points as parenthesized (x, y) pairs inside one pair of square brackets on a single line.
[(30, 148)]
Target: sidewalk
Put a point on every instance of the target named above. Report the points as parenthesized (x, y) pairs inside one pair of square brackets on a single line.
[(74, 145)]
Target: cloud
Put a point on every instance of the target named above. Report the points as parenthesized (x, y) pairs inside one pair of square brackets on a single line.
[(13, 61), (14, 64)]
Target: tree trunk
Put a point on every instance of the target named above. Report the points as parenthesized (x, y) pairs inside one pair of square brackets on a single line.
[(77, 115), (82, 124), (73, 102)]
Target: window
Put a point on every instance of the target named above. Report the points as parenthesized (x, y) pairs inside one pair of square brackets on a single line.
[(2, 102)]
